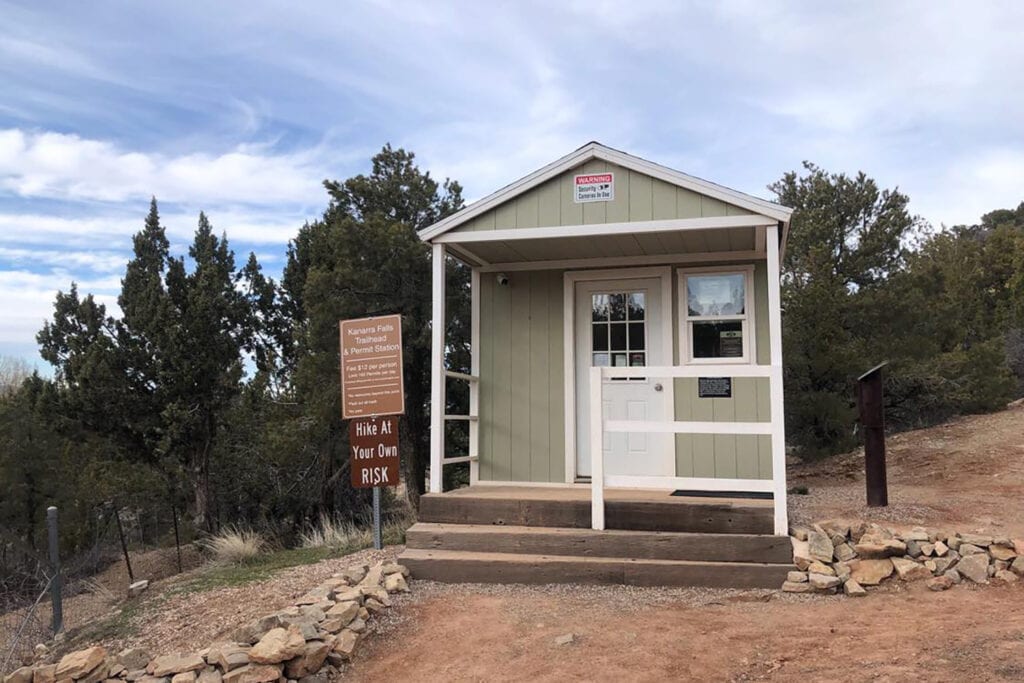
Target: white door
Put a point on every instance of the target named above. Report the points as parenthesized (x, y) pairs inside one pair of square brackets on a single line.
[(621, 323)]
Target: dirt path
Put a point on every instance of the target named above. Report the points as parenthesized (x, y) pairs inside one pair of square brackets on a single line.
[(478, 633)]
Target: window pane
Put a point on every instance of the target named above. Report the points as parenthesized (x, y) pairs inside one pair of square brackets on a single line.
[(635, 305), (599, 305), (619, 360), (710, 295), (718, 339), (600, 360), (618, 336), (600, 338), (617, 306), (636, 337), (636, 360)]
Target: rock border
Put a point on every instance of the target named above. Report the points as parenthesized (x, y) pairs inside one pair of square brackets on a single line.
[(834, 555), (305, 643)]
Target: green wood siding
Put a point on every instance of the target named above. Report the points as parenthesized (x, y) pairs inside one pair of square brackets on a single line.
[(522, 420), (522, 427), (638, 197)]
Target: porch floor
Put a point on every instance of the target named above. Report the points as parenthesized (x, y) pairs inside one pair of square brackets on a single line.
[(577, 492)]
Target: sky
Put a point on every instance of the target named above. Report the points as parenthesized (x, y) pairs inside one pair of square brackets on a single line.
[(241, 110)]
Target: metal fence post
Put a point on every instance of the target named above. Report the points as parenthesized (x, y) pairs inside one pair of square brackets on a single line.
[(55, 583), (377, 540)]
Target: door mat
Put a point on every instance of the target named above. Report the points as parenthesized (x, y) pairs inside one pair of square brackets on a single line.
[(750, 495)]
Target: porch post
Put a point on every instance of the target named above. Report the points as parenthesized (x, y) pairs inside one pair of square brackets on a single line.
[(474, 387), (437, 376), (778, 416)]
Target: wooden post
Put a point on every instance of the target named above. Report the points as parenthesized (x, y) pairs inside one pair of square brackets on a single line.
[(177, 539), (778, 417), (124, 545), (596, 452), (437, 376), (870, 402)]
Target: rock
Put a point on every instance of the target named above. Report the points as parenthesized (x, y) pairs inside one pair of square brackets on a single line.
[(374, 606), (913, 548), (939, 583), (133, 658), (168, 665), (842, 570), (80, 663), (357, 626), (971, 549), (45, 674), (941, 549), (278, 645), (1017, 566), (1018, 545), (228, 656), (797, 587), (138, 588), (254, 673), (854, 589), (96, 675), (974, 567), (250, 633), (822, 582), (1000, 565), (373, 576), (819, 568), (318, 594), (348, 594), (1006, 576), (953, 575), (364, 613), (22, 675), (991, 570), (1002, 552), (801, 553), (209, 676), (877, 548), (942, 564), (309, 661), (976, 539), (393, 568), (844, 552), (908, 570), (332, 624), (395, 583), (40, 651), (184, 677), (137, 675), (927, 549), (870, 572), (857, 530), (345, 645), (918, 534), (565, 639), (819, 545), (798, 533), (307, 627), (953, 542), (312, 612), (835, 527), (116, 669), (353, 575), (345, 611), (797, 577)]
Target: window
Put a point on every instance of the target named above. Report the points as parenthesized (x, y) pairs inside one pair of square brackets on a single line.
[(717, 317), (618, 329)]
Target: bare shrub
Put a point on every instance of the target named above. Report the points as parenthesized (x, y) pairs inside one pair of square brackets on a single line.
[(234, 545)]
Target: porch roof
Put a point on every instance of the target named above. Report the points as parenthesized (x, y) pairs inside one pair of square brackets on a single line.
[(733, 230)]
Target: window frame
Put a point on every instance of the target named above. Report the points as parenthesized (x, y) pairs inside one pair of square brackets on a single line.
[(747, 319)]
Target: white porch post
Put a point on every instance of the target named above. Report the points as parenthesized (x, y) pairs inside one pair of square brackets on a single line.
[(596, 452), (778, 417), (437, 376), (474, 387)]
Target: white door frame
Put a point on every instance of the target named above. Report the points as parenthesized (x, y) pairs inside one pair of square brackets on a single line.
[(569, 340)]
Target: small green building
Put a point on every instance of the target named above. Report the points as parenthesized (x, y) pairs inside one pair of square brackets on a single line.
[(620, 302)]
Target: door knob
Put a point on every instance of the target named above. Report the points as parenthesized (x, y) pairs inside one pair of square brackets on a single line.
[(657, 386)]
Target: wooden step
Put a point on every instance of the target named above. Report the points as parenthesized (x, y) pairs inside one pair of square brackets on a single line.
[(637, 514), (455, 566), (648, 545)]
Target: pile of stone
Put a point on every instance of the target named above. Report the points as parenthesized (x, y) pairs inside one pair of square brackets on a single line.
[(305, 643), (833, 556)]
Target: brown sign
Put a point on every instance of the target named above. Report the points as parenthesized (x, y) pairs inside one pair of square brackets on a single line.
[(374, 445), (371, 367)]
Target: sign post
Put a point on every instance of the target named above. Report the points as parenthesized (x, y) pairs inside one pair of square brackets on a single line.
[(372, 396)]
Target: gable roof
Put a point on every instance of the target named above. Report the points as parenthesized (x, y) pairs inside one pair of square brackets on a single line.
[(595, 150)]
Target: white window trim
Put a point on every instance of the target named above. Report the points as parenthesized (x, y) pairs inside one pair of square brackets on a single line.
[(750, 327)]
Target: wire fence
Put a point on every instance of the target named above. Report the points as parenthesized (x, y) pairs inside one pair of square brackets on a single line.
[(125, 544)]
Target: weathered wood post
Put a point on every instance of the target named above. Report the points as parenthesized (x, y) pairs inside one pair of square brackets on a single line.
[(55, 583), (124, 544), (870, 403)]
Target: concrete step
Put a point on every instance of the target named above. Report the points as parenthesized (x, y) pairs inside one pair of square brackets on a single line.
[(706, 516), (647, 545), (456, 566)]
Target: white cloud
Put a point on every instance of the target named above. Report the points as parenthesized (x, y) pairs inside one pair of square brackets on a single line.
[(43, 164)]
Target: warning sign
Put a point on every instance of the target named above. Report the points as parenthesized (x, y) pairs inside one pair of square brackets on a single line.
[(373, 442), (594, 187), (371, 367)]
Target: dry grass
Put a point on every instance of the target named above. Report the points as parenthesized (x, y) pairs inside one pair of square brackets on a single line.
[(234, 545), (330, 532)]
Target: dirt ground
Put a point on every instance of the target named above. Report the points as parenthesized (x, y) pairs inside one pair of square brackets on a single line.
[(967, 476)]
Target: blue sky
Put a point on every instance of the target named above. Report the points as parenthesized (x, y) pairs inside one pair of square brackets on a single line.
[(242, 109)]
